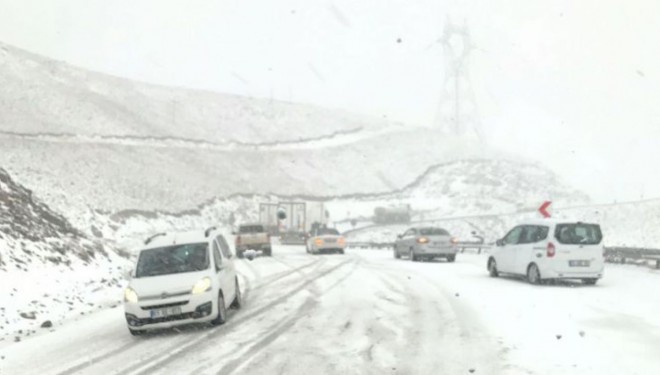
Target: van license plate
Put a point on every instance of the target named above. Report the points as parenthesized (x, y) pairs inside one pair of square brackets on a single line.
[(161, 313), (578, 263)]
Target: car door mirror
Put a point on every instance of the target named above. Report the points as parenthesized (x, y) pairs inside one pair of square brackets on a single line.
[(500, 242), (399, 236)]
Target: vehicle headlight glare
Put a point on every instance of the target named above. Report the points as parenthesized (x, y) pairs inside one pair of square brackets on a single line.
[(203, 285), (130, 296)]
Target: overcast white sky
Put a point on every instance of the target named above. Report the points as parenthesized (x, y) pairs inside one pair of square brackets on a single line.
[(574, 84)]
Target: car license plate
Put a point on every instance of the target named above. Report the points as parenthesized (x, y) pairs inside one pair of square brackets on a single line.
[(329, 240), (578, 263), (161, 313)]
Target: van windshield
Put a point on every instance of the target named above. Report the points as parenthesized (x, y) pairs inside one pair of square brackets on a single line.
[(578, 234), (173, 259)]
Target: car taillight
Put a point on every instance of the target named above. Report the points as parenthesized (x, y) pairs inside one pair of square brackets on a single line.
[(550, 250), (422, 240), (341, 240), (454, 241)]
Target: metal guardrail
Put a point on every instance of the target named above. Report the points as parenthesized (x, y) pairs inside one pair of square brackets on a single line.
[(462, 246), (625, 255), (370, 245)]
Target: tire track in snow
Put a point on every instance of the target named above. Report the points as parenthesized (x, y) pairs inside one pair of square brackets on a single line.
[(260, 345), (159, 360), (281, 275), (112, 353), (281, 327), (463, 327)]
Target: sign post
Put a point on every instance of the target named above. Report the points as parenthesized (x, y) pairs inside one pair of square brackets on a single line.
[(544, 209)]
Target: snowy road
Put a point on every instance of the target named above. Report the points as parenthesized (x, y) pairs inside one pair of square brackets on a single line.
[(365, 312)]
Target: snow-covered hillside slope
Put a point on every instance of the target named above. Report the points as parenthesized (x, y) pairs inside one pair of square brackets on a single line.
[(75, 177), (48, 269), (43, 96), (83, 140)]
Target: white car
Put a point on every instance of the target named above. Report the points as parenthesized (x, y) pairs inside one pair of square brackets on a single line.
[(425, 243), (182, 278), (326, 240), (550, 249)]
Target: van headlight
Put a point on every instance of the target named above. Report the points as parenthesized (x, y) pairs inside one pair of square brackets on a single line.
[(130, 295), (203, 285)]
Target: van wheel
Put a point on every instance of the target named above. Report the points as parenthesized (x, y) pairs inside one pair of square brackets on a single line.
[(533, 274), (238, 300), (492, 268), (222, 312), (396, 253), (589, 281)]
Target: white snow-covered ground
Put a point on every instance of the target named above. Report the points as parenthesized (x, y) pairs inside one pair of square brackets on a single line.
[(366, 312), (58, 294)]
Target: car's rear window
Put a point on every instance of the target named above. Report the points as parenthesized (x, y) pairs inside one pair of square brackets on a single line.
[(325, 231), (578, 234), (173, 259), (433, 232), (251, 229)]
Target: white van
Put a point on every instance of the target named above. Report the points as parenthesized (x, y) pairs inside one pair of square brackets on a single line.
[(182, 278), (550, 249)]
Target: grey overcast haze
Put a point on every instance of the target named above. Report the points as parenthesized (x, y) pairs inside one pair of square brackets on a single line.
[(573, 84), (308, 187)]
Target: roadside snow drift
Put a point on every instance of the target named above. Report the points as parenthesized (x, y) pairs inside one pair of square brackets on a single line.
[(49, 271)]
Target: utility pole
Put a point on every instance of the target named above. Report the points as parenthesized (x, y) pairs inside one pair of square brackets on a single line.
[(457, 109)]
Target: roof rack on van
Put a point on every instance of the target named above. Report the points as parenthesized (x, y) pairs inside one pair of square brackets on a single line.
[(208, 231), (148, 240)]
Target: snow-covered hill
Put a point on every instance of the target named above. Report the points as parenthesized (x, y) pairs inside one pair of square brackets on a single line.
[(83, 140), (43, 96), (48, 269)]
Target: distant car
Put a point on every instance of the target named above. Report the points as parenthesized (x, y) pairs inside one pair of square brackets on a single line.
[(182, 278), (254, 237), (326, 240), (425, 243), (550, 249)]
